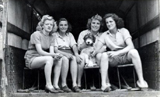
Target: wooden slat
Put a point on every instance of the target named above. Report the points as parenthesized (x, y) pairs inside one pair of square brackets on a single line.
[(3, 39), (147, 27), (13, 29)]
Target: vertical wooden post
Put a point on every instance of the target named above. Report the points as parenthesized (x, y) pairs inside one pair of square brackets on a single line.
[(137, 11), (4, 81)]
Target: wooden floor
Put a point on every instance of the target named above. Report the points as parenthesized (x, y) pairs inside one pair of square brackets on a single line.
[(88, 93)]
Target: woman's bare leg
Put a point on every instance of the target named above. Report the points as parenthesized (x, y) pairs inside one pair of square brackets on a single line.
[(57, 70), (64, 70), (134, 55), (47, 63)]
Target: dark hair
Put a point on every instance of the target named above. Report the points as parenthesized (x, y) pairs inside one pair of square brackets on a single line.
[(119, 21), (96, 17), (69, 25)]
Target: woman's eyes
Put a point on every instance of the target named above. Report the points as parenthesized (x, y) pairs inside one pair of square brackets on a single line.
[(63, 25), (50, 24), (95, 23)]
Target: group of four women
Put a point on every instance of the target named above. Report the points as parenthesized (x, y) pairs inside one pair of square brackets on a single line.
[(59, 50)]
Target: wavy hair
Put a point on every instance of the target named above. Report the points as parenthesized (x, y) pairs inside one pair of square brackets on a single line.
[(119, 21), (41, 22), (95, 17), (69, 25)]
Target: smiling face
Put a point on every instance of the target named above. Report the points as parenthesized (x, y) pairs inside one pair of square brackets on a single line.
[(95, 25), (63, 26), (110, 23), (48, 25)]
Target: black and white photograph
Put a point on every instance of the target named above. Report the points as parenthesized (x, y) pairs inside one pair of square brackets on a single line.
[(79, 48)]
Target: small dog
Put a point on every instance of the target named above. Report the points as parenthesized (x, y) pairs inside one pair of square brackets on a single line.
[(89, 39)]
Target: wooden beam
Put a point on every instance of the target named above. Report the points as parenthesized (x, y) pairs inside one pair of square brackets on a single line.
[(17, 31), (130, 8), (137, 18), (155, 22), (3, 39)]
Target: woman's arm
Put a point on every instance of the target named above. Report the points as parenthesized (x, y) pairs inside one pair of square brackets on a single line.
[(97, 48), (51, 49), (128, 41), (127, 48), (75, 51), (103, 49), (41, 51), (82, 46), (80, 41)]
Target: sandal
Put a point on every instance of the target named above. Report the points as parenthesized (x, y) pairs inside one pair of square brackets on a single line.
[(145, 87)]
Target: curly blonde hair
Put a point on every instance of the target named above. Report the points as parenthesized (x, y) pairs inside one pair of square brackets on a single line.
[(41, 22)]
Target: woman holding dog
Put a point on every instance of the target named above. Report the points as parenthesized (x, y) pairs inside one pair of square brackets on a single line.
[(40, 53), (119, 41), (67, 46), (94, 26)]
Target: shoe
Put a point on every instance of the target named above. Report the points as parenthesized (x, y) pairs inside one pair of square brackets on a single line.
[(76, 89), (142, 88), (66, 89), (79, 87), (92, 88), (59, 90), (107, 89), (52, 90)]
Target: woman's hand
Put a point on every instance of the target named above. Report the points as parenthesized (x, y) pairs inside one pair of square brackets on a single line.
[(57, 56), (113, 53), (93, 54), (78, 58)]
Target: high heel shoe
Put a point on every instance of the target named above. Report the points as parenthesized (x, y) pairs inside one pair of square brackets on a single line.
[(52, 90), (144, 87), (59, 90)]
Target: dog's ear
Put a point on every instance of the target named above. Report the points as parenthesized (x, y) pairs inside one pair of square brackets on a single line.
[(94, 39), (85, 37)]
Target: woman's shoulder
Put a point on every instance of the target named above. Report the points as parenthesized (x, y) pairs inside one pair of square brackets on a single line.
[(123, 30), (55, 34), (36, 33), (105, 32), (69, 34), (84, 32)]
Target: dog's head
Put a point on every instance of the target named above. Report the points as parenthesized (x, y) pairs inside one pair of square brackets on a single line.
[(89, 39)]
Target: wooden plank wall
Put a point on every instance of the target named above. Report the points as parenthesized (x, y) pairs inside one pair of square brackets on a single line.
[(19, 29), (143, 24), (20, 23)]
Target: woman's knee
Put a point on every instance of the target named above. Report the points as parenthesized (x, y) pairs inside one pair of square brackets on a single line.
[(49, 60), (65, 59), (104, 56), (74, 58), (133, 53), (98, 56)]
